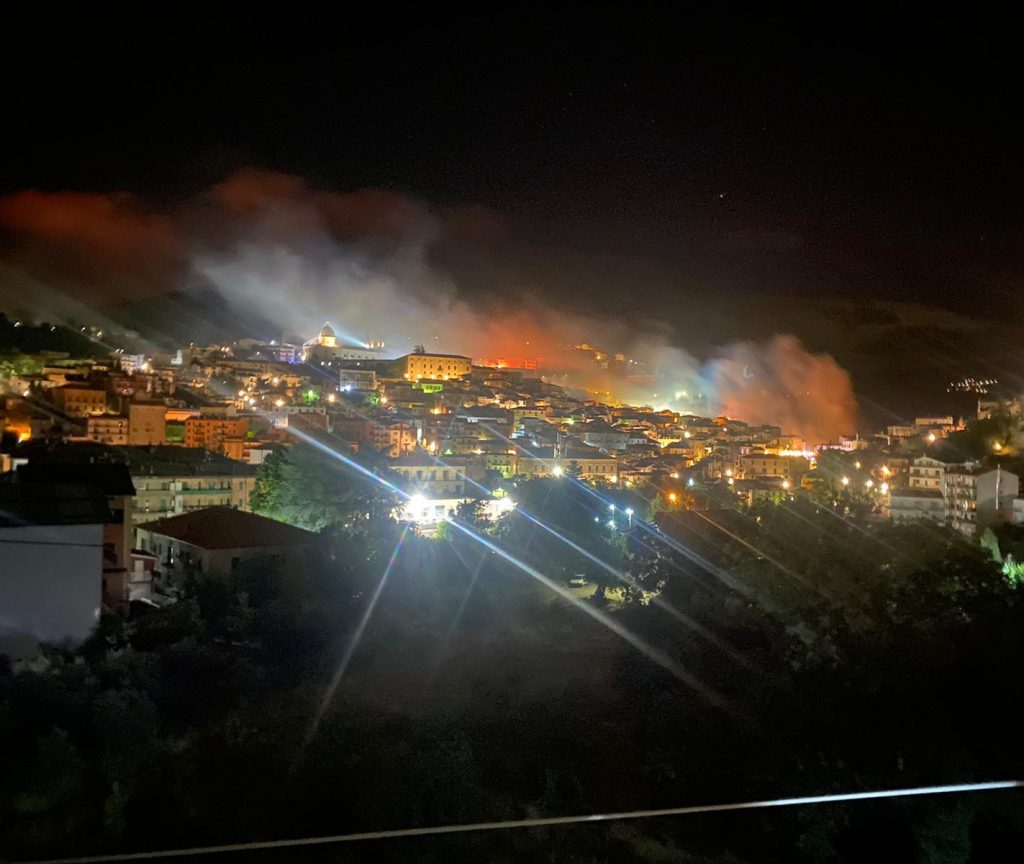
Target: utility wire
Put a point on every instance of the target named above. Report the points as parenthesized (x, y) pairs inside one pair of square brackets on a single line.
[(534, 823)]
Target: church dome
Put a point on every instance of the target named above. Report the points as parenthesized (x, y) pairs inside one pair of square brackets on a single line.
[(327, 331)]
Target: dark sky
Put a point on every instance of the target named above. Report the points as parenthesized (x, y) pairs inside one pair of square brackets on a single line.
[(673, 156)]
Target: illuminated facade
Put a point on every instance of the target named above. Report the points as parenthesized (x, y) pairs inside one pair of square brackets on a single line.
[(79, 400), (435, 366), (107, 428), (325, 348), (147, 423), (210, 433), (976, 498), (429, 477)]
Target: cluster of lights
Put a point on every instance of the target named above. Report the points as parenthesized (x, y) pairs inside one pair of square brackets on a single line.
[(971, 385)]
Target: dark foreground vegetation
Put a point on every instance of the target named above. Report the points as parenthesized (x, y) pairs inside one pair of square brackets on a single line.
[(797, 652)]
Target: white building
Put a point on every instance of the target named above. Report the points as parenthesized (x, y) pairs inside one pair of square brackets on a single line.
[(51, 564), (976, 498), (912, 505), (219, 539), (430, 477), (326, 347), (357, 379), (927, 472)]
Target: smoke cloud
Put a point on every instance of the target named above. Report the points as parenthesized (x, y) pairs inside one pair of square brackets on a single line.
[(376, 264)]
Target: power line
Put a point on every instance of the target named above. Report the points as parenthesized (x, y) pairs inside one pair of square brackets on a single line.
[(535, 823)]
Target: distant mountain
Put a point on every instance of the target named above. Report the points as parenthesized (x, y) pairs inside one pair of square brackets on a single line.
[(172, 320), (31, 338)]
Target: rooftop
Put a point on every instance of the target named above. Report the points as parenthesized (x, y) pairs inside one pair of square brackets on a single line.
[(163, 460), (52, 504), (431, 354), (111, 479), (226, 528)]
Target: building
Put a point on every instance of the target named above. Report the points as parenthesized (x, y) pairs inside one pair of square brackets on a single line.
[(167, 479), (912, 505), (51, 580), (174, 480), (147, 423), (584, 462), (220, 539), (357, 379), (927, 473), (755, 465), (599, 434), (424, 474), (945, 422), (107, 428), (393, 437), (79, 400), (977, 498), (130, 363), (210, 433), (436, 366), (325, 347), (114, 484)]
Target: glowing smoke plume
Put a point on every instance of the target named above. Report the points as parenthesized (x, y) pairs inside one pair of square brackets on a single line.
[(373, 263), (782, 383)]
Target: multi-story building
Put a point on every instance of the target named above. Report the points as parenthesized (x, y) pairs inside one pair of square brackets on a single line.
[(147, 423), (431, 477), (599, 434), (80, 400), (911, 505), (976, 497), (107, 428), (927, 473), (393, 437), (436, 366), (51, 580), (754, 465), (170, 482), (357, 379), (585, 462), (220, 539), (210, 433), (114, 483), (167, 480)]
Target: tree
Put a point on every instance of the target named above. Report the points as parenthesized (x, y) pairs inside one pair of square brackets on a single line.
[(307, 487)]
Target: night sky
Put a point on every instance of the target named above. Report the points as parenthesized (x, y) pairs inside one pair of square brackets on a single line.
[(856, 181)]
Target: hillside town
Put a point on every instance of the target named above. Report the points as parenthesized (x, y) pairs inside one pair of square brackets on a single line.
[(151, 451)]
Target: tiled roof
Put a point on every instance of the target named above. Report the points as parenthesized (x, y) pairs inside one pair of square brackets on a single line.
[(226, 528)]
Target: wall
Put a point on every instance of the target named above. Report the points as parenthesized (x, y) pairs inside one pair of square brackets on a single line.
[(50, 584), (147, 424)]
